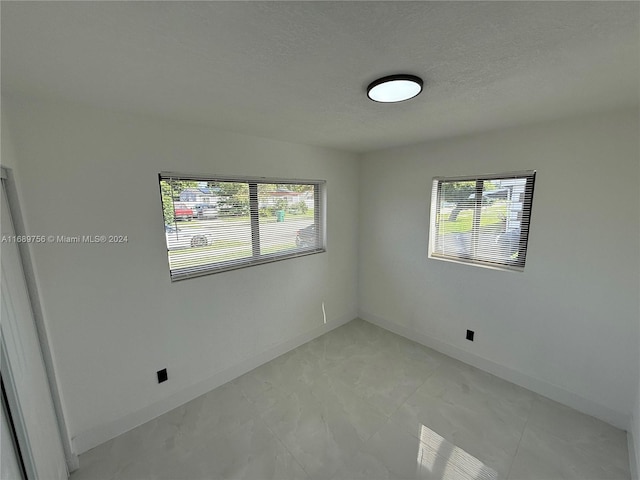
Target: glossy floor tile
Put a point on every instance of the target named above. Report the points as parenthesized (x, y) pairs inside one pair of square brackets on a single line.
[(363, 403)]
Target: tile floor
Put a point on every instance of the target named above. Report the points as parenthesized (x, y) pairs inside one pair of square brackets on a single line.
[(363, 403)]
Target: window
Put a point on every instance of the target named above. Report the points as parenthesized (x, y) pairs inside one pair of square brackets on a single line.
[(214, 224), (482, 220)]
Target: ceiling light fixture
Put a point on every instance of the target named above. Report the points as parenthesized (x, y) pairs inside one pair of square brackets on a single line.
[(394, 88)]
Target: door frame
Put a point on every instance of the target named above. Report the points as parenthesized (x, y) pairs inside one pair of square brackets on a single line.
[(17, 428), (9, 422), (9, 186)]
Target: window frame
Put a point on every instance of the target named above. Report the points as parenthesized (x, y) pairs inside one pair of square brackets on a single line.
[(527, 205), (256, 258)]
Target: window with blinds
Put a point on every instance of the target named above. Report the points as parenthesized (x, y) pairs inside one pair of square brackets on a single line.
[(482, 220), (215, 224)]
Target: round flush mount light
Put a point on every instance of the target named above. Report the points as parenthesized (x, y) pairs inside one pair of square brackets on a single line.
[(394, 88)]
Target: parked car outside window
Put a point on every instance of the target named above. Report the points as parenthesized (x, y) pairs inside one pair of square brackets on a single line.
[(178, 238), (307, 237)]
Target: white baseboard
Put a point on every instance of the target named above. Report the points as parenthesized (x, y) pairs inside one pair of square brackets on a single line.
[(546, 389), (97, 435)]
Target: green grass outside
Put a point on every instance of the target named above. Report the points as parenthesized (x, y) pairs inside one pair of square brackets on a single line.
[(219, 244), (491, 215), (213, 257), (279, 248)]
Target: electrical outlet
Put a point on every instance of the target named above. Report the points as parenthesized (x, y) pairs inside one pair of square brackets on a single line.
[(162, 375), (470, 334)]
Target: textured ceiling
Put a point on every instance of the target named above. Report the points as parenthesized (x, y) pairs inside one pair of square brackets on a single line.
[(297, 71)]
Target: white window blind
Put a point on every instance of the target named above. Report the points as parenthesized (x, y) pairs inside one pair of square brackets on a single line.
[(214, 224), (482, 220)]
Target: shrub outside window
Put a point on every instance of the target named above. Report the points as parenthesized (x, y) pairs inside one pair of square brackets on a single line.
[(482, 220), (214, 224)]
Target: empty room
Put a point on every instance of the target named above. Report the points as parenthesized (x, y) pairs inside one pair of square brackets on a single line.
[(320, 240)]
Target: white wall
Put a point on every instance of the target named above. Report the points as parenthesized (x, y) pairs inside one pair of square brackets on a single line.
[(567, 326), (114, 316)]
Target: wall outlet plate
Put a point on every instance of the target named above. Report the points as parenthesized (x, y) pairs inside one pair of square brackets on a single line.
[(162, 375)]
